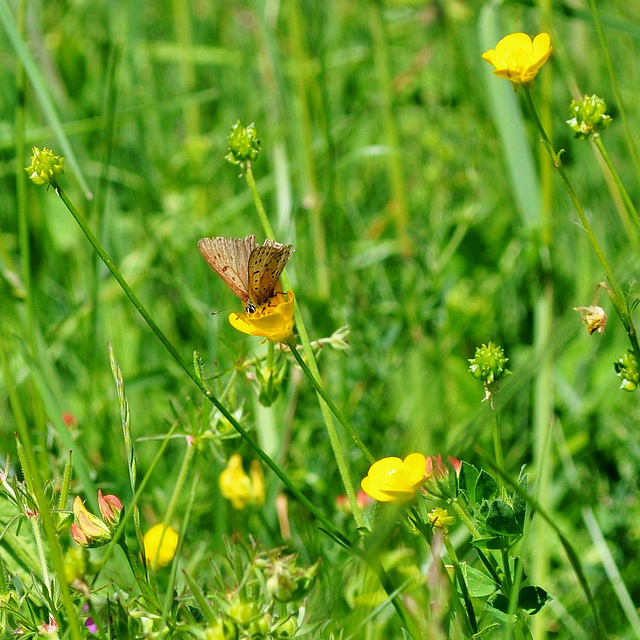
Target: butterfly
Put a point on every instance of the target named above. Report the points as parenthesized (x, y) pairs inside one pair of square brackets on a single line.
[(250, 270)]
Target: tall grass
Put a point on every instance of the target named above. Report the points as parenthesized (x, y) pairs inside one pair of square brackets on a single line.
[(424, 215)]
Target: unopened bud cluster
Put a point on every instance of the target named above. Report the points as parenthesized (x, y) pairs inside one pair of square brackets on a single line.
[(589, 117), (489, 363), (244, 144), (45, 166), (288, 582), (627, 369)]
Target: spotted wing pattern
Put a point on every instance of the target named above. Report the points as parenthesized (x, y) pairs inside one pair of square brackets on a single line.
[(230, 259), (266, 263)]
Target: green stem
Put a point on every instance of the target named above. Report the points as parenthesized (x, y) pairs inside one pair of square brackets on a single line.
[(270, 354), (24, 436), (326, 523), (313, 365), (131, 510), (488, 561), (629, 134), (617, 298), (37, 534), (543, 386), (504, 552), (462, 582), (39, 418), (385, 581), (597, 140), (464, 516), (497, 438), (323, 394), (257, 201), (134, 566), (573, 556), (177, 491)]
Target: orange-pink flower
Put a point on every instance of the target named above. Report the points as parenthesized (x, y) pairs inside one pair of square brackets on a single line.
[(88, 530)]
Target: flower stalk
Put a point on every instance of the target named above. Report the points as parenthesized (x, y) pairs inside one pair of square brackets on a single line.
[(617, 297), (631, 210), (453, 556), (329, 402), (312, 372), (182, 477)]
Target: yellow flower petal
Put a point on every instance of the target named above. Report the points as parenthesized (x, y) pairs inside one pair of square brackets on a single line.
[(542, 47), (415, 466), (395, 480), (167, 543), (238, 487), (273, 321), (519, 58), (235, 484)]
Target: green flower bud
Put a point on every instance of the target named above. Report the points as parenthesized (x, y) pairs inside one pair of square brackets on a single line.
[(627, 369), (589, 117), (244, 144), (260, 627), (285, 628), (222, 629), (488, 363), (44, 166), (288, 582), (243, 612), (75, 564)]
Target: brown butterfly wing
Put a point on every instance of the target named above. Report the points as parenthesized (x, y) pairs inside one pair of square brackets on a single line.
[(266, 263), (229, 258)]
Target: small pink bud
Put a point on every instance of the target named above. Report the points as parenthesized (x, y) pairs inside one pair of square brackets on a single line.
[(110, 509)]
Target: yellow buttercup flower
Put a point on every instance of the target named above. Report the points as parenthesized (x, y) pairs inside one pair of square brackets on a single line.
[(518, 58), (396, 480), (162, 541), (238, 487), (273, 320)]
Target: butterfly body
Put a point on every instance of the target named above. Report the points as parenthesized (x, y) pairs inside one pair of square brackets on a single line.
[(250, 270)]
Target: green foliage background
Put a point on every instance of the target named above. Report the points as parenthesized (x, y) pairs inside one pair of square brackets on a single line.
[(384, 163)]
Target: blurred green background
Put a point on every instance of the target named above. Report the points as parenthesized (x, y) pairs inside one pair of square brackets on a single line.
[(409, 179)]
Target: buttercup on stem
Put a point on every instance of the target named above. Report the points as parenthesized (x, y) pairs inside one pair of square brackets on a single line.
[(518, 58)]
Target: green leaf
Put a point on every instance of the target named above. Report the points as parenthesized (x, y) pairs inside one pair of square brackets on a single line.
[(487, 543), (468, 479), (500, 603), (486, 487), (520, 511), (501, 519), (477, 485), (532, 599), (480, 585)]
